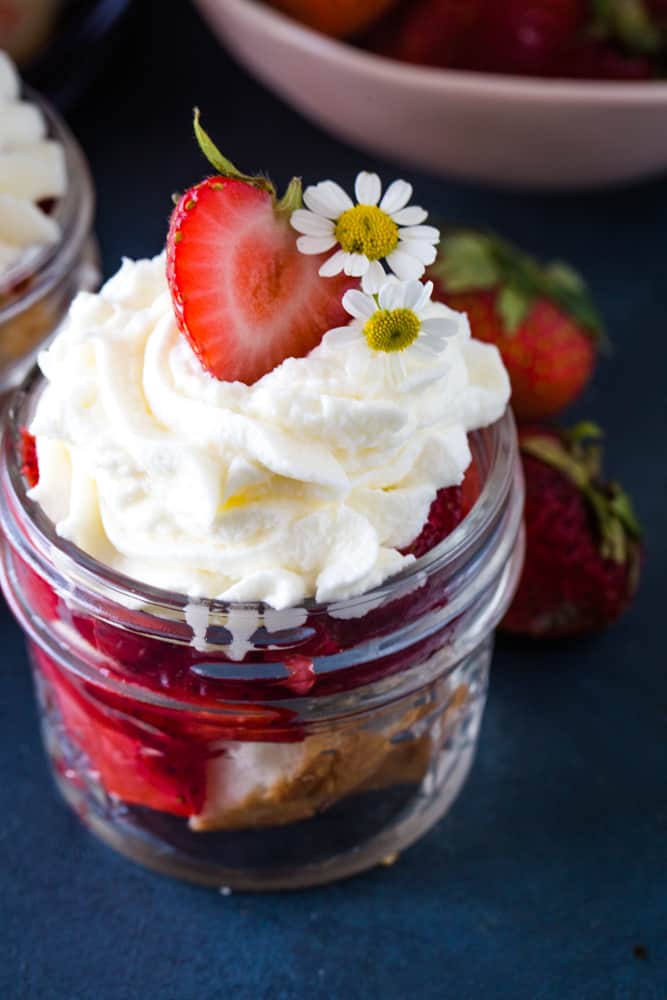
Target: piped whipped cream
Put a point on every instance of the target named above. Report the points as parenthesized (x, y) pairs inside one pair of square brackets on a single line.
[(305, 484), (32, 169)]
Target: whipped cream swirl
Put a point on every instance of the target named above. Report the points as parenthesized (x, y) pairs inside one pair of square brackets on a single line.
[(32, 169), (305, 484)]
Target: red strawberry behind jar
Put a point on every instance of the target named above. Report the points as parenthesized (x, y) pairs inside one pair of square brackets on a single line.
[(541, 318), (583, 541)]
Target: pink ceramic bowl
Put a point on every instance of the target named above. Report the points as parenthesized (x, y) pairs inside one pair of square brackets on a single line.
[(496, 129)]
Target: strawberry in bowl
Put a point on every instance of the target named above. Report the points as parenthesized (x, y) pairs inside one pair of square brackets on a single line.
[(582, 39)]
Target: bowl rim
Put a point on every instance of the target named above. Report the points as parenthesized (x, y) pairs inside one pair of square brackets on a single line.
[(528, 89)]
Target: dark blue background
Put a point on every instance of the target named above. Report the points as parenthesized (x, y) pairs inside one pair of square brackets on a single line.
[(552, 867)]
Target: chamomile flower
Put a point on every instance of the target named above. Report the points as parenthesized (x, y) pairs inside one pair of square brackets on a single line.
[(400, 319), (376, 228)]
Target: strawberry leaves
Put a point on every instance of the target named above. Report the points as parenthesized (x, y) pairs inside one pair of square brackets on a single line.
[(476, 261), (467, 262), (220, 163), (291, 200), (513, 306), (628, 22)]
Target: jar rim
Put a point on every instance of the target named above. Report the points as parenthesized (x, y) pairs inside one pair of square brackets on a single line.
[(498, 440), (73, 212)]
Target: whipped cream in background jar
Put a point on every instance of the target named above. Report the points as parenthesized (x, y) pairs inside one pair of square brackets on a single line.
[(47, 250), (233, 744)]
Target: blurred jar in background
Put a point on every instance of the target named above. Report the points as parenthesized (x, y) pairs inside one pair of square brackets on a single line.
[(47, 250), (25, 26), (60, 45)]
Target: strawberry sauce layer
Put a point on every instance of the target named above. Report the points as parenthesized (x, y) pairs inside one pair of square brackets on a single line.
[(154, 756)]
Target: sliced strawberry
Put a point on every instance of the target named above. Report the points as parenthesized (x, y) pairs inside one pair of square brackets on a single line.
[(471, 487), (28, 456), (39, 595), (444, 515), (141, 768), (243, 294), (302, 674)]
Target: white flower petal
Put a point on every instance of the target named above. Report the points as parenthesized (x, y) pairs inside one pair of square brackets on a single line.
[(334, 265), (392, 295), (358, 305), (311, 224), (368, 188), (356, 264), (428, 233), (328, 199), (425, 349), (405, 266), (424, 252), (396, 197), (335, 195), (438, 310), (374, 278), (413, 215), (319, 204), (425, 297), (414, 294), (315, 244), (433, 344), (341, 335), (436, 340), (440, 327)]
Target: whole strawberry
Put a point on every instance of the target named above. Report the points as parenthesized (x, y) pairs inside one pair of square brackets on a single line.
[(428, 32), (583, 547), (658, 8), (541, 318), (342, 18), (526, 37)]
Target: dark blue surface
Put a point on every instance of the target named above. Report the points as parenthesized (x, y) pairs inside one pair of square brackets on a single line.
[(552, 866)]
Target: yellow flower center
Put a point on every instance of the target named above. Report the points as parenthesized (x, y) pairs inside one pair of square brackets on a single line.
[(391, 329), (368, 230)]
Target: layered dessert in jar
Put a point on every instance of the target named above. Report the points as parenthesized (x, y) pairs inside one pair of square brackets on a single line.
[(46, 202), (261, 515)]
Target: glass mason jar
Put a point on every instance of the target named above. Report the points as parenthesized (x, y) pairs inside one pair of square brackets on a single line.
[(235, 745), (36, 294)]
